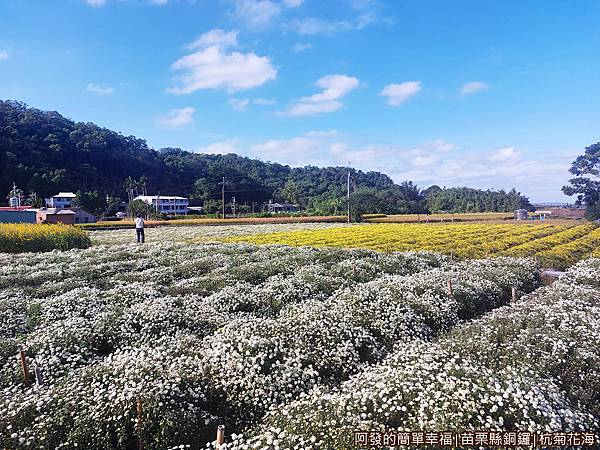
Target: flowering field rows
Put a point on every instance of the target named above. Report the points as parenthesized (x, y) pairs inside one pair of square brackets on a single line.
[(204, 232), (163, 342), (533, 365), (556, 246)]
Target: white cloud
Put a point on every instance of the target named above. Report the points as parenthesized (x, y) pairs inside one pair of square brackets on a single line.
[(505, 154), (221, 147), (422, 161), (334, 88), (242, 104), (264, 101), (292, 151), (301, 46), (103, 2), (473, 86), (399, 93), (311, 109), (311, 26), (321, 133), (440, 145), (213, 68), (434, 162), (260, 14), (100, 89), (3, 55), (178, 117), (215, 37), (239, 104), (257, 13)]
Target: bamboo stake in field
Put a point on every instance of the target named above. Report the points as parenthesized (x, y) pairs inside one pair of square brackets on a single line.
[(140, 422), (450, 288), (39, 376), (220, 436), (24, 367)]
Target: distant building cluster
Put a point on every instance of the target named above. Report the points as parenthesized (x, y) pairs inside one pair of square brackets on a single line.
[(59, 209), (550, 212)]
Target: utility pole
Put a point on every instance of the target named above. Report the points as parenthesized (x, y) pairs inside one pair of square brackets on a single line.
[(348, 193), (157, 204), (223, 196), (233, 205)]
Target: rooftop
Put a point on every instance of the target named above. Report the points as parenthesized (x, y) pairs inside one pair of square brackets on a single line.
[(15, 208), (162, 197)]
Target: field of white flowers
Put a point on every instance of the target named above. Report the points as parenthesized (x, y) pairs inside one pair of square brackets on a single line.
[(287, 347), (207, 232)]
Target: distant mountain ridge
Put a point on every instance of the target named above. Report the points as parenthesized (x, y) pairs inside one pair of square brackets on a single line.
[(43, 151)]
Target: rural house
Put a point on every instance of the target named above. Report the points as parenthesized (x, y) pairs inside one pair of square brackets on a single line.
[(61, 200), (165, 204), (282, 207), (54, 215), (82, 216)]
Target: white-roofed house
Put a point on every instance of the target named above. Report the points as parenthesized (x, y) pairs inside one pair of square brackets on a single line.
[(167, 204), (61, 200)]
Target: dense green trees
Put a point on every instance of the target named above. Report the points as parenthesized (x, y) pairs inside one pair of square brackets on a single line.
[(44, 152), (463, 199), (91, 201), (586, 183)]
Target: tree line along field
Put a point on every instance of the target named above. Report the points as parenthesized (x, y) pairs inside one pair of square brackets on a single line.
[(553, 245)]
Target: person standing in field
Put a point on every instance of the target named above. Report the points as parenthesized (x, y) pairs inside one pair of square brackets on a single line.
[(139, 228)]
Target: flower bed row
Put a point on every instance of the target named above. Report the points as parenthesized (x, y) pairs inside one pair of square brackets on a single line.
[(533, 366), (164, 342), (556, 245)]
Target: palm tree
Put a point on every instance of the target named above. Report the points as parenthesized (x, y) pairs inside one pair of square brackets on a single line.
[(129, 186), (144, 184)]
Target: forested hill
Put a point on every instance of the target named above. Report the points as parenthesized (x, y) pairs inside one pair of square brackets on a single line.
[(44, 152)]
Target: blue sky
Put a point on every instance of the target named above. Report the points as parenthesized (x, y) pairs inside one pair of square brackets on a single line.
[(489, 94)]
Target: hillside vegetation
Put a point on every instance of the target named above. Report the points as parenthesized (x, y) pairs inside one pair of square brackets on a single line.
[(44, 152)]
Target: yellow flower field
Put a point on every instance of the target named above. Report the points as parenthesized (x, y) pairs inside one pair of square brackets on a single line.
[(29, 237), (556, 245), (447, 217)]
